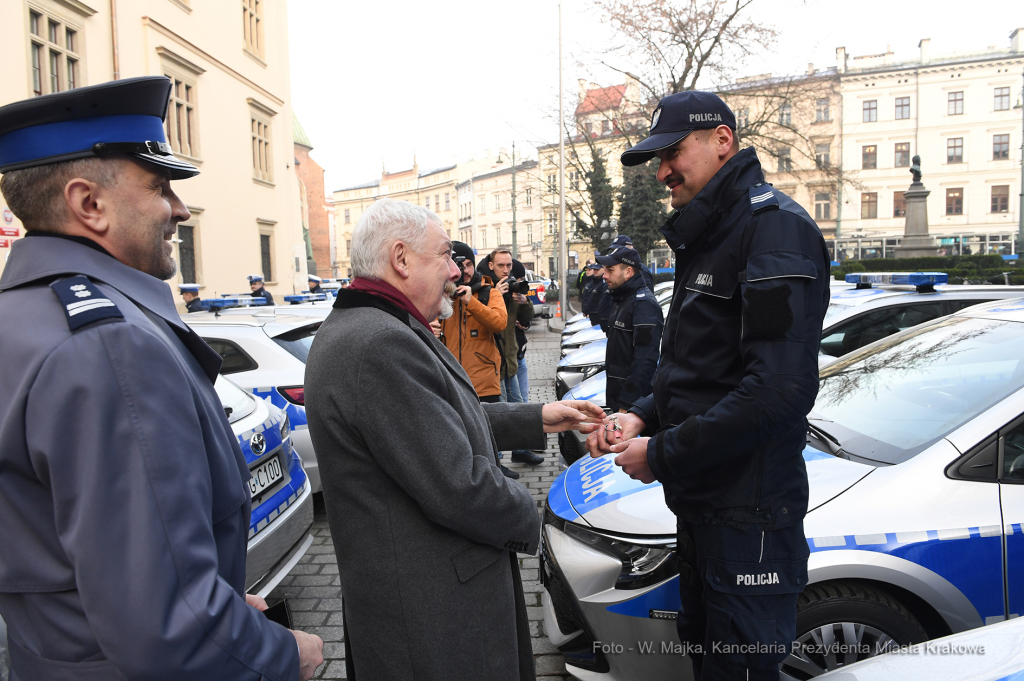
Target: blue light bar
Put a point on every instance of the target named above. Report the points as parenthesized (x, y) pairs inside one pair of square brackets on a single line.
[(903, 278), (231, 301), (305, 298)]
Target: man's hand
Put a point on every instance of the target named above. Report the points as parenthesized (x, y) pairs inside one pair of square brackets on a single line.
[(632, 459), (256, 602), (519, 298), (502, 286), (520, 326), (464, 292), (601, 441), (435, 326), (311, 653), (572, 415)]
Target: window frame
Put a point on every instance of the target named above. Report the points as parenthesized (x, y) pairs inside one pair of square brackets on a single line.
[(955, 103), (784, 155), (822, 207), (1001, 95), (785, 114), (869, 111), (822, 160), (197, 259), (187, 75), (42, 46), (953, 146), (1004, 200), (252, 12), (902, 107), (957, 201), (869, 204), (869, 154), (899, 204), (1003, 147), (822, 110), (906, 155)]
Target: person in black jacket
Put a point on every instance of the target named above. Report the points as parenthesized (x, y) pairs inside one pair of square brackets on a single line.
[(737, 378), (623, 241), (600, 301), (590, 281), (190, 294), (256, 285), (634, 334)]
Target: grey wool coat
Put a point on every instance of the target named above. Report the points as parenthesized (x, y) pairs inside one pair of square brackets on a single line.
[(425, 526)]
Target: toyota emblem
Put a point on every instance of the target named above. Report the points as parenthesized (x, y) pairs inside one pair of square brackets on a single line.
[(258, 444)]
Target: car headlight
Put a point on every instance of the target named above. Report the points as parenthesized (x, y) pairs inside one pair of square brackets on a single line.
[(590, 370), (286, 428), (643, 562)]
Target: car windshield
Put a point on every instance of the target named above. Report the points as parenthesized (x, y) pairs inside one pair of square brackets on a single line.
[(237, 403), (298, 341), (834, 309), (888, 402)]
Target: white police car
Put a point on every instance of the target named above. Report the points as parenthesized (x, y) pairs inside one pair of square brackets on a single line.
[(915, 460), (579, 323), (265, 352), (282, 499)]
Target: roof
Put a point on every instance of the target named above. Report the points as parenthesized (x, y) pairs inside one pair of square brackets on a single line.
[(940, 60), (365, 185), (601, 99), (299, 135), (436, 170), (526, 165)]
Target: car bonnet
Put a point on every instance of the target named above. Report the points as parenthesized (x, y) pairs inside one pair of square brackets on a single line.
[(592, 353), (591, 390), (587, 335), (598, 493)]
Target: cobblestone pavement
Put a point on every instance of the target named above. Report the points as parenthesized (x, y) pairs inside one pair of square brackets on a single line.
[(313, 587)]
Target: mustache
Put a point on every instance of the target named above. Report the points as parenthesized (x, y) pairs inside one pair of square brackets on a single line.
[(449, 288)]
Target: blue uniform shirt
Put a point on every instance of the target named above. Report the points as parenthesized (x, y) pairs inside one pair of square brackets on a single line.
[(122, 487)]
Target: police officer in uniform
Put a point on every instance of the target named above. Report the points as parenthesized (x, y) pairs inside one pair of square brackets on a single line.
[(589, 282), (622, 241), (122, 487), (600, 300), (256, 284), (314, 284), (634, 334), (726, 424), (190, 294)]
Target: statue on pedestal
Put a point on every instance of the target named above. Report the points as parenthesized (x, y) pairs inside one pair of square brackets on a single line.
[(915, 169)]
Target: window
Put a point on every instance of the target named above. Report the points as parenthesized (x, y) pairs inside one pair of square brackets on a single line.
[(869, 205), (821, 112), (899, 205), (426, 202), (871, 111), (785, 159), (552, 184), (265, 260), (235, 359), (1000, 147), (873, 326), (869, 157), (180, 125), (529, 197), (742, 118), (529, 232), (574, 179), (348, 246), (590, 128), (483, 238), (552, 223), (955, 201), (1001, 198), (447, 201), (822, 206), (786, 114), (497, 236), (902, 108), (262, 158), (54, 53), (497, 202), (252, 26), (955, 150), (483, 204), (1002, 99), (187, 254), (437, 202), (955, 103), (821, 155), (606, 127), (903, 155), (348, 216)]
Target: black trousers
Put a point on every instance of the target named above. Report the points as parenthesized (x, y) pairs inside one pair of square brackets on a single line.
[(738, 590)]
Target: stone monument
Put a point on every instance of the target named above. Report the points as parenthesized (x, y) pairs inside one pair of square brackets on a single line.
[(916, 242)]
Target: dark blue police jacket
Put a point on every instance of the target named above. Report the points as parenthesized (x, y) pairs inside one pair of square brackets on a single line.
[(601, 304), (739, 361), (634, 336), (263, 293), (122, 488)]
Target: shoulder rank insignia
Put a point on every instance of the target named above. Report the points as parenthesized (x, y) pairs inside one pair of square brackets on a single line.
[(762, 197), (83, 302)]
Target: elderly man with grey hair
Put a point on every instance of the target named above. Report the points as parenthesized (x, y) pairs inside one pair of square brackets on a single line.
[(425, 526)]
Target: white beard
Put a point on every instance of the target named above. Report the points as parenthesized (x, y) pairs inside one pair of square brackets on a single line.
[(447, 309)]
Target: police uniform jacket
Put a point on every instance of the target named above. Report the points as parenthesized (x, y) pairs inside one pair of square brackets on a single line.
[(425, 526), (194, 305), (263, 293), (634, 337), (122, 487), (601, 304), (585, 293), (738, 370), (316, 289)]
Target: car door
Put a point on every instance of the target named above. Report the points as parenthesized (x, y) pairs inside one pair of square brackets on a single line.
[(853, 334), (1011, 489)]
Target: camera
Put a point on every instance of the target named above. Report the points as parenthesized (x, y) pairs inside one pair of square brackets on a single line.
[(518, 285)]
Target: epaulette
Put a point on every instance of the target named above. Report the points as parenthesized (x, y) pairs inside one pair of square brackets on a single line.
[(83, 302), (762, 197)]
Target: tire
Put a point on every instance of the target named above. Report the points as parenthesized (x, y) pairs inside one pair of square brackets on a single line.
[(840, 623)]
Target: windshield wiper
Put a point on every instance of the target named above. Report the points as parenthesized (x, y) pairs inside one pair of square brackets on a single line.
[(829, 440)]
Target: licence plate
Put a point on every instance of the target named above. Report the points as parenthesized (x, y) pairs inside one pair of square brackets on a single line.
[(265, 476)]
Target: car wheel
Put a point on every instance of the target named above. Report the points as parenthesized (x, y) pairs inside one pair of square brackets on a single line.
[(841, 623)]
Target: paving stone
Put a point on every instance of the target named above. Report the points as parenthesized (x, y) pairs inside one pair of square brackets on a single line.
[(327, 633), (313, 580), (550, 664), (308, 619), (334, 650), (336, 670)]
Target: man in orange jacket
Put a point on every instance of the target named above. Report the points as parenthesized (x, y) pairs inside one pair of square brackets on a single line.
[(470, 332)]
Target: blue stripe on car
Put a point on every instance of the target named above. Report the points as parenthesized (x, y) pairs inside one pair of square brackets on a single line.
[(296, 414), (558, 500)]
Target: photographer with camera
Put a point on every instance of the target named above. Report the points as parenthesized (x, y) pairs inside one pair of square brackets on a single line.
[(470, 332)]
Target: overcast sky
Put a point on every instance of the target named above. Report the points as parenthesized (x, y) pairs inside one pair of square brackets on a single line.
[(375, 82)]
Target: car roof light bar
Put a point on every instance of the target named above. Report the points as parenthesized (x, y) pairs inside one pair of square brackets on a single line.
[(924, 281)]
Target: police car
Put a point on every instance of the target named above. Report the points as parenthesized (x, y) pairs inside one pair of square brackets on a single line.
[(915, 460), (578, 322), (282, 499), (265, 352), (584, 334)]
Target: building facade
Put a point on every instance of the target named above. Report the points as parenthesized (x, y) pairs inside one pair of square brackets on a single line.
[(315, 213), (961, 113), (229, 115)]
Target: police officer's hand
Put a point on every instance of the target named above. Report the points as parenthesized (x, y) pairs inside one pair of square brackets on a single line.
[(502, 285), (464, 292), (571, 415), (632, 459), (435, 326), (601, 441), (311, 653)]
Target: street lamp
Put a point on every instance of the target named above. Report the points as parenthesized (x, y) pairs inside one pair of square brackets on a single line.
[(515, 249)]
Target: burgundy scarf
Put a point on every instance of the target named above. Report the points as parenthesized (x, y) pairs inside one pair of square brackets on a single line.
[(383, 289)]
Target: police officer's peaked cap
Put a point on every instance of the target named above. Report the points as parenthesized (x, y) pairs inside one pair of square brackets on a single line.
[(119, 117), (313, 277), (595, 265), (676, 117), (621, 240), (462, 250), (188, 288), (624, 256), (255, 277)]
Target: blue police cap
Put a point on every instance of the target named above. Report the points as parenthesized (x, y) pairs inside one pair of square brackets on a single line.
[(676, 117), (188, 288), (313, 277), (255, 277), (621, 240), (119, 117), (624, 256)]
